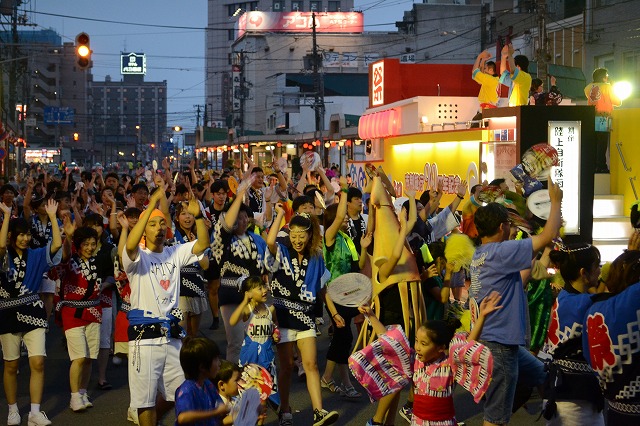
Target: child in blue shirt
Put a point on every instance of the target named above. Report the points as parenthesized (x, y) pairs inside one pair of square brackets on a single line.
[(197, 400)]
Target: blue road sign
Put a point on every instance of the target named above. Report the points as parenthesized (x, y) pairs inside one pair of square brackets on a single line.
[(58, 115)]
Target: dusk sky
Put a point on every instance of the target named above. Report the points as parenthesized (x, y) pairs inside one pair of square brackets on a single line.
[(170, 33)]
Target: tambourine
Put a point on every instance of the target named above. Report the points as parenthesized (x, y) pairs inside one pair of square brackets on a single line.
[(256, 376)]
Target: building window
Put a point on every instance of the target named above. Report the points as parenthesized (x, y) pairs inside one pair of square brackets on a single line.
[(231, 34), (297, 6), (334, 6), (315, 6), (278, 5), (231, 9), (253, 5)]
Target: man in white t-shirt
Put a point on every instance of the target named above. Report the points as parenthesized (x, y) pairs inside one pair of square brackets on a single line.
[(154, 333)]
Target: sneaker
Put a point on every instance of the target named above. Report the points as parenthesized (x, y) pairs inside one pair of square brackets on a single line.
[(132, 415), (324, 417), (330, 386), (87, 402), (406, 413), (14, 418), (371, 423), (77, 403), (350, 392), (39, 419), (285, 419)]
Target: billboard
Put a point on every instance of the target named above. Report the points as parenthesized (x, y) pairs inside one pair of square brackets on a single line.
[(300, 22), (133, 63)]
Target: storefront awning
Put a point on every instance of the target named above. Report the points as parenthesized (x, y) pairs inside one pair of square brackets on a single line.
[(379, 124)]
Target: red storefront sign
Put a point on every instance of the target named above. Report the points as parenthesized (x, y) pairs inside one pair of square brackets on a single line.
[(300, 22)]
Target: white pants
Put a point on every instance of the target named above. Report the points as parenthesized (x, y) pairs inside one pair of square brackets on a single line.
[(235, 333)]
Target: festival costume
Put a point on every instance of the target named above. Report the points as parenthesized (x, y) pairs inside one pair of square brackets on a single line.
[(296, 285), (190, 396), (120, 335), (21, 309), (610, 344), (192, 282), (239, 257), (258, 346), (470, 364), (570, 376), (601, 96), (153, 321), (489, 89), (519, 86)]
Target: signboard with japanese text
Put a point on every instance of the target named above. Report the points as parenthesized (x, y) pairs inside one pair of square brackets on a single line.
[(331, 60), (133, 63), (58, 115), (350, 59), (370, 58), (564, 136), (300, 22), (377, 84), (408, 58), (236, 75)]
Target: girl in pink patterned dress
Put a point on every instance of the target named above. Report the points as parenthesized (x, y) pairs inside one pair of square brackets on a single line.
[(442, 359)]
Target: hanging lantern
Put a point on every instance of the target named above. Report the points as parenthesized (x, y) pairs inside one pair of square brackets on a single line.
[(305, 146), (279, 144)]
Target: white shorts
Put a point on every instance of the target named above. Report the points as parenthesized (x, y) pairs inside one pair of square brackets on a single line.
[(290, 335), (106, 328), (193, 305), (34, 340), (156, 368), (83, 342), (47, 285)]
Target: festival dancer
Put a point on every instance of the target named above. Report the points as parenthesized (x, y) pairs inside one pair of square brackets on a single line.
[(611, 325), (154, 333), (572, 391), (299, 278), (22, 314), (239, 254)]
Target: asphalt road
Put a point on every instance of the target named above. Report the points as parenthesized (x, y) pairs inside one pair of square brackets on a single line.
[(110, 407)]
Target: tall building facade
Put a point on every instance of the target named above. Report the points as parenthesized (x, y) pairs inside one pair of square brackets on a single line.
[(129, 118), (220, 35)]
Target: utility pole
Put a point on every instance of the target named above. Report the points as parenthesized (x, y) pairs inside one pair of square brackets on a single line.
[(542, 53), (198, 115), (318, 95)]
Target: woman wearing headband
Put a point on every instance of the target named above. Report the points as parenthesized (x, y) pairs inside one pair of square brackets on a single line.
[(299, 278)]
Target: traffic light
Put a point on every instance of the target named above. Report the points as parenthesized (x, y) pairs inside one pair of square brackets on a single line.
[(83, 51), (76, 136)]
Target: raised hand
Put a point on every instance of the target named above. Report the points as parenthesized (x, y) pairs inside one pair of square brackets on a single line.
[(411, 193), (365, 309), (165, 163), (245, 184), (131, 202), (555, 193), (51, 208), (5, 209), (279, 209), (68, 226), (634, 240), (122, 220), (462, 188), (194, 205)]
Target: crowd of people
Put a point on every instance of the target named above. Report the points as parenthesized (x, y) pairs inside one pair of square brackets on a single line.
[(127, 264)]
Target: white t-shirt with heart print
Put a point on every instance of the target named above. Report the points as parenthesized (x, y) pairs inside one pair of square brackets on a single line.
[(154, 278)]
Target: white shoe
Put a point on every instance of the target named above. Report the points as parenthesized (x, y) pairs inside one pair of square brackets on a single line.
[(132, 415), (77, 404), (14, 418), (85, 400), (39, 419)]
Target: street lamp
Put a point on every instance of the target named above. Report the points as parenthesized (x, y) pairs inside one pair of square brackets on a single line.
[(176, 147), (138, 147)]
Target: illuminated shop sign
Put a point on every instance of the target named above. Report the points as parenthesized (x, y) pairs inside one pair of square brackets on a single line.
[(377, 84), (564, 136), (133, 63), (300, 22)]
